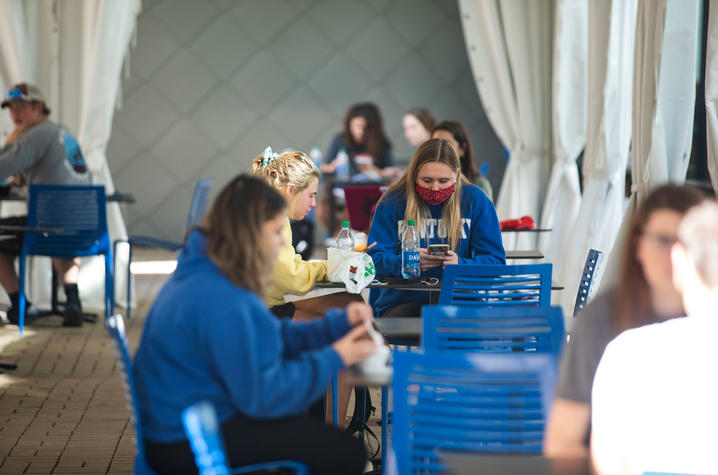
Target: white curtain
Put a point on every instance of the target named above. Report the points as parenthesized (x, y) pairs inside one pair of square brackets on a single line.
[(610, 66), (664, 84), (510, 45), (711, 73), (570, 96), (73, 50)]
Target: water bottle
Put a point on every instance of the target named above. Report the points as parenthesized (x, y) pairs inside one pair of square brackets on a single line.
[(344, 238), (410, 251), (315, 154), (342, 165)]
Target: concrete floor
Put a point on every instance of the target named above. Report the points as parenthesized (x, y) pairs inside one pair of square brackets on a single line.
[(63, 410)]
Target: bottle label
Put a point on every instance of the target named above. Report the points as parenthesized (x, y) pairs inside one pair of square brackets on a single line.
[(410, 264), (411, 258)]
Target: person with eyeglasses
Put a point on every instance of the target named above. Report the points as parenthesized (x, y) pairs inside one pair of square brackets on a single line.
[(41, 152), (655, 389), (644, 294)]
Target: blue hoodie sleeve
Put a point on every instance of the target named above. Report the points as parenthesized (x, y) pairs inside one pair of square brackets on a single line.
[(247, 349), (386, 254), (486, 245), (310, 335)]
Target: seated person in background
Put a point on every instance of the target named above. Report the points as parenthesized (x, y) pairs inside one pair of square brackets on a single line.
[(447, 210), (643, 294), (457, 136), (209, 336), (365, 143), (42, 152), (418, 124), (296, 178), (656, 387)]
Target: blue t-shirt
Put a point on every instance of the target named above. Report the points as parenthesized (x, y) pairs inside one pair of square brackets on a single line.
[(480, 241)]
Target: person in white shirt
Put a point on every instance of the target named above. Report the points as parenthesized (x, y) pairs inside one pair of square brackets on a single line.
[(656, 387)]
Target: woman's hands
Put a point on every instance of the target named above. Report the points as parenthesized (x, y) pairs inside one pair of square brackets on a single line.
[(359, 312), (356, 345), (429, 261)]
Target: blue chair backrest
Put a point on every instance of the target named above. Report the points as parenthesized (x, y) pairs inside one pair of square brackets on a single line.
[(200, 199), (489, 403), (115, 325), (492, 329), (584, 288), (79, 211), (496, 285), (202, 429)]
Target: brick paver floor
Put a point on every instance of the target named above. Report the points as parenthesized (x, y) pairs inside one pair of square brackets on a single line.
[(63, 410)]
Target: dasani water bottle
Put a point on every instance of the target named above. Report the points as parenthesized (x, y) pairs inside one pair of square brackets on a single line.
[(410, 251)]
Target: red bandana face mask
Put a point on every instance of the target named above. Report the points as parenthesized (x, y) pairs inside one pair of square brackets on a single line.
[(434, 197)]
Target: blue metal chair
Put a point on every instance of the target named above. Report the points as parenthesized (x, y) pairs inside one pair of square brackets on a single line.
[(80, 212), (202, 429), (116, 328), (584, 288), (198, 205), (496, 285), (489, 403), (492, 329)]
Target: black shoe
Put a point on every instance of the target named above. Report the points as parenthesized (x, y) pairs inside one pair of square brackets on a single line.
[(73, 316), (31, 312)]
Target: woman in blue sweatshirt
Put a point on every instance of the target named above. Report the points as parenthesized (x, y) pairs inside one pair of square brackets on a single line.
[(447, 209), (209, 336)]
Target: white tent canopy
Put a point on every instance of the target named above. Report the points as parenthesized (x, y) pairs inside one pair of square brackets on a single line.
[(610, 67), (510, 48), (570, 97), (712, 93), (664, 81), (74, 52)]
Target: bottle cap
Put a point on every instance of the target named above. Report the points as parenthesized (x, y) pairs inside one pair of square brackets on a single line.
[(345, 224), (411, 222)]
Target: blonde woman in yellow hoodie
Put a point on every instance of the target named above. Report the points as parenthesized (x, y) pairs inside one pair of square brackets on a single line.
[(294, 176)]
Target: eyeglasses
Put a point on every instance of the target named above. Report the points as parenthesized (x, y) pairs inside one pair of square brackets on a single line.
[(665, 242)]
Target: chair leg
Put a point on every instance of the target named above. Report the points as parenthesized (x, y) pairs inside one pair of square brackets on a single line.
[(21, 293), (109, 288), (128, 309), (335, 399), (384, 423)]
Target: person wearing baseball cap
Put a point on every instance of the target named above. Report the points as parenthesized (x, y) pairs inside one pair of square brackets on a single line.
[(41, 152)]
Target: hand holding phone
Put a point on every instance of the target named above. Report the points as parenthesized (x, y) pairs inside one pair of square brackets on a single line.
[(438, 249)]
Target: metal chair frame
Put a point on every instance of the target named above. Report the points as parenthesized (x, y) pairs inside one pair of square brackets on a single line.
[(490, 403), (492, 329), (496, 285), (80, 213), (198, 206)]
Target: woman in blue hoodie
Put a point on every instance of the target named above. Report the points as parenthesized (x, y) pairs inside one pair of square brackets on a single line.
[(447, 209), (209, 336)]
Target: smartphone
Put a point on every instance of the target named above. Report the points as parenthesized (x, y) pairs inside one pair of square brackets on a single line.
[(438, 249)]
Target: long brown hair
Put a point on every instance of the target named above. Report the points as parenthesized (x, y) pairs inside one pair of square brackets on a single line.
[(633, 306), (233, 228), (468, 165), (374, 140), (433, 150)]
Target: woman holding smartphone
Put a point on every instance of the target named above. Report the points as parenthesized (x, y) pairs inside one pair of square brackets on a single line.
[(447, 210)]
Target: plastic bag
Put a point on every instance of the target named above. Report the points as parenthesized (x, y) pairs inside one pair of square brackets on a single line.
[(354, 269)]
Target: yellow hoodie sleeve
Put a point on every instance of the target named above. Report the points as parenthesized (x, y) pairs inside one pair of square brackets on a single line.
[(292, 275)]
